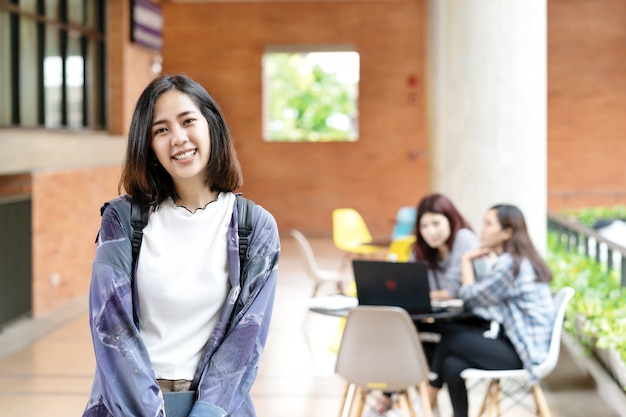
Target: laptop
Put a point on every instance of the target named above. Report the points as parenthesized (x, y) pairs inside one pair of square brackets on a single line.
[(401, 284)]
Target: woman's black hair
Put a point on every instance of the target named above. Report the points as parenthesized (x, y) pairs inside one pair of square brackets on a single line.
[(143, 177), (519, 244), (438, 204)]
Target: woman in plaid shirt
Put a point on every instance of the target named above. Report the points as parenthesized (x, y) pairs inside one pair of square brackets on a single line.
[(517, 286)]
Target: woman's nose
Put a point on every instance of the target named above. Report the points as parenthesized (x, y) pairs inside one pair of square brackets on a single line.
[(179, 135)]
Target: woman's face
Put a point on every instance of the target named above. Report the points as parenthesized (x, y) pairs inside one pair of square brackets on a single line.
[(435, 230), (180, 137), (492, 235)]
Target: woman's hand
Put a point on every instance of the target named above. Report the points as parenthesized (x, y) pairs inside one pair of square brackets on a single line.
[(467, 267), (440, 295)]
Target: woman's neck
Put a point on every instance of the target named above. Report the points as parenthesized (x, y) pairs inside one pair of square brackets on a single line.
[(195, 199), (443, 252)]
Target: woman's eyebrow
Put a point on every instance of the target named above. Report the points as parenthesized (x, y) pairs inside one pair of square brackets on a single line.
[(182, 114)]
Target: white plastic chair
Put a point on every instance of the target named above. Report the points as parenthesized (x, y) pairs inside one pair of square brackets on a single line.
[(380, 350), (319, 276), (520, 376)]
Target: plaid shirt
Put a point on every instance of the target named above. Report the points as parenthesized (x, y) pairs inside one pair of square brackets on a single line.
[(525, 306)]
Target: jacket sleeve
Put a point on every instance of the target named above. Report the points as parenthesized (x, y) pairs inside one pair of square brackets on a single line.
[(228, 375), (124, 381), (492, 288)]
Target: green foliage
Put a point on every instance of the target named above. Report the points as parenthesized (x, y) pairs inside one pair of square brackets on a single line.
[(597, 313), (589, 215), (302, 104)]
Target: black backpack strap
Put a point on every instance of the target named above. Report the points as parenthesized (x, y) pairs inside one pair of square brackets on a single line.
[(138, 220), (245, 210)]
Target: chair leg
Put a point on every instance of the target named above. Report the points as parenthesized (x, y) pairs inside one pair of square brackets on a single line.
[(494, 394), (498, 398), (427, 407), (316, 289), (540, 401), (487, 398), (347, 400), (345, 262), (360, 398), (403, 404)]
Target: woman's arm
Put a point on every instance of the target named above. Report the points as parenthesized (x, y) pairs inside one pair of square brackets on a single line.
[(493, 287)]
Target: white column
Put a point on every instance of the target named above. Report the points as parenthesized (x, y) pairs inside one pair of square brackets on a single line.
[(486, 86)]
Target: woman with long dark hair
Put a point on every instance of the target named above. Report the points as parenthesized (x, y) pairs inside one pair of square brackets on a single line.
[(517, 286), (443, 236)]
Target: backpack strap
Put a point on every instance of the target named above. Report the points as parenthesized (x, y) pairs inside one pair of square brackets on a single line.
[(138, 220), (245, 210)]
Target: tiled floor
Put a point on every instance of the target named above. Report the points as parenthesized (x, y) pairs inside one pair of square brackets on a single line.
[(46, 365)]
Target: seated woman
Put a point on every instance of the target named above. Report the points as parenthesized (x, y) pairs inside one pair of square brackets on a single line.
[(517, 286), (443, 236)]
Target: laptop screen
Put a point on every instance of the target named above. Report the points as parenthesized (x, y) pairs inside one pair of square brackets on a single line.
[(401, 284)]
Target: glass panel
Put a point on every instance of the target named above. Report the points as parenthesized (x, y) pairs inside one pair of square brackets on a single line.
[(5, 69), (93, 81), (74, 80), (28, 91), (91, 14), (75, 11), (61, 78), (52, 78), (52, 9), (28, 5)]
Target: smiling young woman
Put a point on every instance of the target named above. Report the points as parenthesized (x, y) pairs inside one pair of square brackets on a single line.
[(191, 318)]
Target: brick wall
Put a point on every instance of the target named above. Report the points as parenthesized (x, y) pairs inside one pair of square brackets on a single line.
[(586, 103), (66, 217), (129, 68), (221, 45)]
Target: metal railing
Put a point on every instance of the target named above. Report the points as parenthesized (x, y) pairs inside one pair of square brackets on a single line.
[(589, 242)]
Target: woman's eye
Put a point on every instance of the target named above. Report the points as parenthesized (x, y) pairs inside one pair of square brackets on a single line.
[(159, 131), (186, 122)]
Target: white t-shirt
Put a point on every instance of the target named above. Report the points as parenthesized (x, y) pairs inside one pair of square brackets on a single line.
[(182, 283)]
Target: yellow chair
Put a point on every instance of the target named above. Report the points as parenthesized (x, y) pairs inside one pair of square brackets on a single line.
[(350, 233), (400, 249)]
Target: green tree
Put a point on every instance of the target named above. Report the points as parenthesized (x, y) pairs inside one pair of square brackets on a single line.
[(306, 101)]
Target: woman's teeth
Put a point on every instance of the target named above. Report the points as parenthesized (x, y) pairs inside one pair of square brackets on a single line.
[(185, 155)]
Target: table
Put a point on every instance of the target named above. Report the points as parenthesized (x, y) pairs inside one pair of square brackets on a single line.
[(340, 306)]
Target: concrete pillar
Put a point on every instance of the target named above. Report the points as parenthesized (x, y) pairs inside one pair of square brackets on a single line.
[(486, 86)]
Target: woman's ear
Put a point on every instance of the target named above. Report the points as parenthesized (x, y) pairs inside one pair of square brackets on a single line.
[(507, 233)]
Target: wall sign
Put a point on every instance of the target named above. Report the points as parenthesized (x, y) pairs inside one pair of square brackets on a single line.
[(146, 24)]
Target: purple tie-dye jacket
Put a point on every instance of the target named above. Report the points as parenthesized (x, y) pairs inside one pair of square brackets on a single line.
[(124, 383)]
